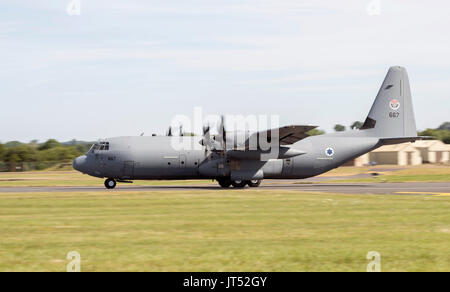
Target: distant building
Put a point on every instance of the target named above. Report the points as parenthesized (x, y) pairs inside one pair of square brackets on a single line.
[(399, 154), (362, 160), (433, 151), (426, 151)]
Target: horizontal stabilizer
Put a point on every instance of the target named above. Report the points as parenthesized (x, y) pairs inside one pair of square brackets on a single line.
[(388, 141)]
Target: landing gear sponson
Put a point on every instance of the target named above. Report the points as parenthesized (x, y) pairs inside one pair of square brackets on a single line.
[(226, 183)]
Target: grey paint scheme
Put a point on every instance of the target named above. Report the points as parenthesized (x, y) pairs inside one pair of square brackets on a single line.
[(139, 157)]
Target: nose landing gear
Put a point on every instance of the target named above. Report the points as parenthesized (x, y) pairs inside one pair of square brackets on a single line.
[(110, 183)]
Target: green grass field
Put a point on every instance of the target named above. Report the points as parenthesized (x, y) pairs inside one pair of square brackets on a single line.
[(71, 178), (223, 230), (423, 173)]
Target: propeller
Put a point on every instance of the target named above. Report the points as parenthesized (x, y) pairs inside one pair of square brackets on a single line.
[(206, 141), (222, 133), (169, 132), (216, 143), (206, 133), (181, 130)]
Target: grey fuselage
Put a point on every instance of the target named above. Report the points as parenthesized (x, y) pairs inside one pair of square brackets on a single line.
[(146, 158)]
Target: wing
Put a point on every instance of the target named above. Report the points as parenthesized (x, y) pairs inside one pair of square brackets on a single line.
[(289, 134)]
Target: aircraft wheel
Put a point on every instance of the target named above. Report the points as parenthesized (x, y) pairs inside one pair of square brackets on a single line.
[(239, 183), (254, 183), (224, 183), (110, 183)]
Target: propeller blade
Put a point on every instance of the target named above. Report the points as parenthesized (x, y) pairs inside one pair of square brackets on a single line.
[(222, 137), (205, 130), (224, 132)]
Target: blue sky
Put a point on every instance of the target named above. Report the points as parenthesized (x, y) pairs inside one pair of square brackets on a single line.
[(127, 67)]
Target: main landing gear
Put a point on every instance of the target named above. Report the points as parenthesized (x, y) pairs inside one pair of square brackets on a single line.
[(110, 183), (254, 183), (239, 184)]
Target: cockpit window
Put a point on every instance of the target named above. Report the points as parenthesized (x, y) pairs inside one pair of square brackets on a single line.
[(101, 146)]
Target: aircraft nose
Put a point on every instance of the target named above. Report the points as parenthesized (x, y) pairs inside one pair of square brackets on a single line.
[(79, 163)]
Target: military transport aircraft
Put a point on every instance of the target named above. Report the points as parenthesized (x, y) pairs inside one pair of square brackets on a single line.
[(220, 157)]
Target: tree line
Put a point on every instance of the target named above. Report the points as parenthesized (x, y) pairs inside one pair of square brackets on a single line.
[(338, 128), (36, 155), (440, 133)]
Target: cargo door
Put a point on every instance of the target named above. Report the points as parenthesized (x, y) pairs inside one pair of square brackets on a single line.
[(128, 169)]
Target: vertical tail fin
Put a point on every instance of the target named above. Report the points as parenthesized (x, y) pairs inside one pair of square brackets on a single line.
[(392, 114)]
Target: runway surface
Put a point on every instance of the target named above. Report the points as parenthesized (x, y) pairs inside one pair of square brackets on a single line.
[(432, 188)]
